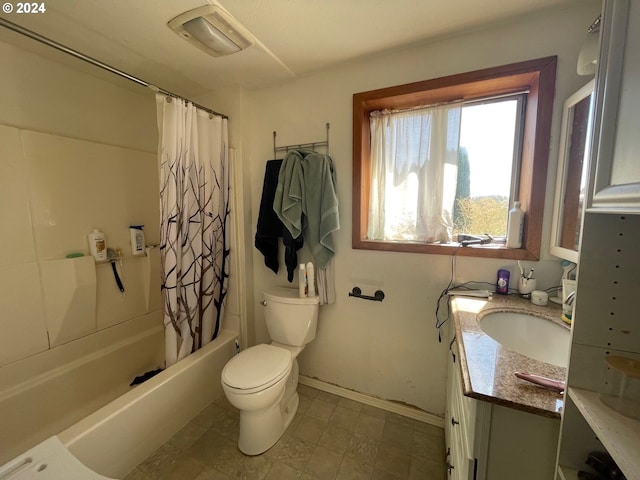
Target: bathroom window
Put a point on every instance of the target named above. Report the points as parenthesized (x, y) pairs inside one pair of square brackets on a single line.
[(448, 156)]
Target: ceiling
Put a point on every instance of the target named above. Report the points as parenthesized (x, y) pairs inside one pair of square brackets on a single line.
[(295, 37)]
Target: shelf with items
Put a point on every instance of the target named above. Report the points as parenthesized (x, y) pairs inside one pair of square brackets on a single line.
[(604, 327), (619, 434)]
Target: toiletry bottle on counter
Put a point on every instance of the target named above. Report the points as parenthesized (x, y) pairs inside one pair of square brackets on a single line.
[(502, 284), (97, 245), (515, 226), (311, 280), (137, 239), (302, 281)]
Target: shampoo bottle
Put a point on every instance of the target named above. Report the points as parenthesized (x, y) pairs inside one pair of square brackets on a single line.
[(97, 245), (302, 281), (311, 280), (137, 239), (515, 226)]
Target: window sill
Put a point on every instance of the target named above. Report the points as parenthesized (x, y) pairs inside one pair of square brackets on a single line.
[(480, 251)]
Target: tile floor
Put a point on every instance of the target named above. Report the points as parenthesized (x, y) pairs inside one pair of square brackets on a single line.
[(330, 438)]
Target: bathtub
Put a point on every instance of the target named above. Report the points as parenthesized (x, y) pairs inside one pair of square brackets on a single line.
[(80, 391), (47, 392), (118, 436)]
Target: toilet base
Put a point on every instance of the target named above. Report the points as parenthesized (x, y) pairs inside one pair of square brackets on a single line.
[(260, 430)]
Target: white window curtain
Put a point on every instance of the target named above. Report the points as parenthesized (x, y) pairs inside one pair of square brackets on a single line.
[(194, 210), (414, 163)]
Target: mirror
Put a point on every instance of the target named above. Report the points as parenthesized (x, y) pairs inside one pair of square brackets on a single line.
[(573, 161)]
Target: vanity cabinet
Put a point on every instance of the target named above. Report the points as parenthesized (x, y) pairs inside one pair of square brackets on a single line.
[(464, 426), (608, 289), (489, 441)]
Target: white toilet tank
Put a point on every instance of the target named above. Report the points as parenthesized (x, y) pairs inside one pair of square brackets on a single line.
[(290, 320)]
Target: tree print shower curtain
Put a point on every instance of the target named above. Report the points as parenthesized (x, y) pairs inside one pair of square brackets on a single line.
[(194, 212)]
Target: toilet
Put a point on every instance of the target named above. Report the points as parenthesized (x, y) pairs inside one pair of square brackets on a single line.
[(261, 381), (49, 460)]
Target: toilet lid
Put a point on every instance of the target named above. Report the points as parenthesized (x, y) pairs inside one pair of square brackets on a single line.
[(259, 366)]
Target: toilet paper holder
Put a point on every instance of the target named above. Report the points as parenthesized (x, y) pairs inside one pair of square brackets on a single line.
[(356, 292)]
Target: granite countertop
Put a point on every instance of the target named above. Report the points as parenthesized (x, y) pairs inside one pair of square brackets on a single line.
[(488, 368)]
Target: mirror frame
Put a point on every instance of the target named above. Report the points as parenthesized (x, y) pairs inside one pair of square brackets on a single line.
[(563, 165)]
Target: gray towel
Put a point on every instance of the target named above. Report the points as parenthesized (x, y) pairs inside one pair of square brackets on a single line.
[(306, 201)]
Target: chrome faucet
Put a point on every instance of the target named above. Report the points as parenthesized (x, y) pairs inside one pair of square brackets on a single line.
[(570, 298)]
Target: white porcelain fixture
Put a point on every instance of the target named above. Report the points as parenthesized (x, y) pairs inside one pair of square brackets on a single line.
[(48, 460), (262, 380), (532, 336)]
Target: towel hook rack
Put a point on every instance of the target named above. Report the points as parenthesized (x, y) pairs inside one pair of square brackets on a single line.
[(312, 145), (378, 296)]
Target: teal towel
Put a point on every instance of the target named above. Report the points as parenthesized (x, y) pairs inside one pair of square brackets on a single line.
[(287, 202), (320, 206), (306, 201)]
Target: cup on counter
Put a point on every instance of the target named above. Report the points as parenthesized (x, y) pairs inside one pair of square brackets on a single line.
[(526, 285)]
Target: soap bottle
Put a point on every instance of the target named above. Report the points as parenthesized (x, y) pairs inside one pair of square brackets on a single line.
[(311, 280), (515, 226), (302, 281), (137, 239), (97, 245)]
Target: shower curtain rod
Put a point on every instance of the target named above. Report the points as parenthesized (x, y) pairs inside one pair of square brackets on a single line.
[(74, 53)]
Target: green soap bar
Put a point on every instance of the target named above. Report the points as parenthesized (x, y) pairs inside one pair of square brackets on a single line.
[(75, 255)]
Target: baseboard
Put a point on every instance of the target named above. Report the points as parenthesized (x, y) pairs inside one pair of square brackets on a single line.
[(374, 402)]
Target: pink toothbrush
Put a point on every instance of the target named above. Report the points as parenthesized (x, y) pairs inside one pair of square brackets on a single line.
[(555, 385)]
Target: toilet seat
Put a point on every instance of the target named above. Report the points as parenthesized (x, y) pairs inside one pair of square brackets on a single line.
[(257, 368), (49, 460)]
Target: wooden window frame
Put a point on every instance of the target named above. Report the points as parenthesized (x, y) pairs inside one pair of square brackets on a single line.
[(538, 76)]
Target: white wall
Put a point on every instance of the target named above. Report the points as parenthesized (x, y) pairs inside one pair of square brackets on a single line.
[(390, 349), (42, 95)]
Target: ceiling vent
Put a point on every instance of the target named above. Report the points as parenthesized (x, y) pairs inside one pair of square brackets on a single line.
[(213, 30)]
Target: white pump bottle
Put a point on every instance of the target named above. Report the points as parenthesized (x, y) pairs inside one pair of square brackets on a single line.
[(311, 280), (302, 281), (515, 226)]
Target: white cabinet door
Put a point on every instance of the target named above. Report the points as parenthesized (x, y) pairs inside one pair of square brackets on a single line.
[(459, 423), (615, 178)]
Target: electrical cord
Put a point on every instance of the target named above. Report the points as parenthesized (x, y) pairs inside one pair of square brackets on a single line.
[(443, 294)]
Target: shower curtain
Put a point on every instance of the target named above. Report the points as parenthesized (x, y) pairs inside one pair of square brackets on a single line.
[(194, 213)]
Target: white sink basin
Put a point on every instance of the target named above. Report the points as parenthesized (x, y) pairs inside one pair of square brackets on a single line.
[(534, 337)]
